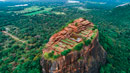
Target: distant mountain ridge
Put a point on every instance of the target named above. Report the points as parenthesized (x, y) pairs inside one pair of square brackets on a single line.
[(18, 0), (107, 0), (123, 5), (67, 0), (34, 0)]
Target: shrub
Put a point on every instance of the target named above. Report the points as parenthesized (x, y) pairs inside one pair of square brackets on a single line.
[(87, 42), (51, 54), (65, 52), (46, 55), (76, 24), (95, 27), (15, 46), (2, 29), (92, 37), (69, 50), (56, 56), (71, 21), (78, 47)]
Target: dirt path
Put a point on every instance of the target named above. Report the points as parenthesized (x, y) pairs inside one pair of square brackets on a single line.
[(14, 37)]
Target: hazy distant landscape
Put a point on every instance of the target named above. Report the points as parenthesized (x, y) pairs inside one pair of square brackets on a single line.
[(28, 25)]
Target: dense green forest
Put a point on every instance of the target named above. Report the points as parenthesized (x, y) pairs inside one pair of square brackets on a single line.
[(23, 51)]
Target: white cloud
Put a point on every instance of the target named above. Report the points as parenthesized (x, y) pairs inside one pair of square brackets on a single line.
[(21, 5), (72, 1), (2, 0)]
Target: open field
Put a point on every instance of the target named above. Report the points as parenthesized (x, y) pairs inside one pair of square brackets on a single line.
[(59, 13), (46, 10), (29, 9), (83, 9)]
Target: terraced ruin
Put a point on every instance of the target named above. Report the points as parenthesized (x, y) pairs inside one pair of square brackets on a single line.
[(74, 49), (70, 39)]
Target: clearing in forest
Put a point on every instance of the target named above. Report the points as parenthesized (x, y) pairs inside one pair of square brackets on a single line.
[(46, 10), (29, 9)]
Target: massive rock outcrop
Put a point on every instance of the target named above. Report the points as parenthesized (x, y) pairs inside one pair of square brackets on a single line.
[(87, 60)]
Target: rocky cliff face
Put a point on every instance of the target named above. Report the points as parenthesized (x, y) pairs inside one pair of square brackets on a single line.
[(87, 60)]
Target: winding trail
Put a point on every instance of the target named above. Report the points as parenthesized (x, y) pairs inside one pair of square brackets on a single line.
[(14, 37)]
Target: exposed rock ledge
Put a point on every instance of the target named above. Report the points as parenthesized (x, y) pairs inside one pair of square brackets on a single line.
[(88, 60)]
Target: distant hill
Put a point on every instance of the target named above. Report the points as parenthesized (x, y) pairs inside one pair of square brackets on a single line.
[(107, 0), (34, 0), (67, 0), (17, 0)]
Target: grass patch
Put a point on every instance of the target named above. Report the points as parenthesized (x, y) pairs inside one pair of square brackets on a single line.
[(46, 11), (51, 56), (94, 34), (84, 9), (29, 9), (59, 13), (66, 42), (70, 41), (56, 45)]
